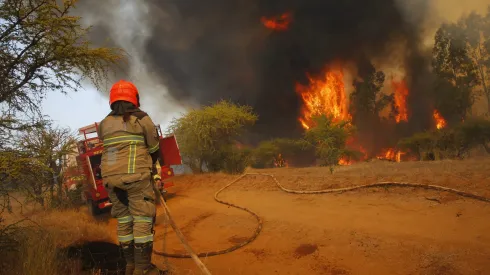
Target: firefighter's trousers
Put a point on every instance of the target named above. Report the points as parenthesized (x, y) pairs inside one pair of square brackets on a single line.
[(133, 205)]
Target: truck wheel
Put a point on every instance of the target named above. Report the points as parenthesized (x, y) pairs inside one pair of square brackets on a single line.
[(92, 208)]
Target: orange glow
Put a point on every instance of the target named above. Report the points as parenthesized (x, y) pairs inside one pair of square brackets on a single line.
[(345, 161), (401, 93), (323, 95), (352, 144), (440, 121), (305, 126), (391, 154), (278, 23)]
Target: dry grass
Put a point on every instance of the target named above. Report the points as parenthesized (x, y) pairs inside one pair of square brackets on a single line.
[(43, 237), (72, 227)]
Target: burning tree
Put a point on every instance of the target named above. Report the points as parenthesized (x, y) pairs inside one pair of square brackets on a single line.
[(324, 95)]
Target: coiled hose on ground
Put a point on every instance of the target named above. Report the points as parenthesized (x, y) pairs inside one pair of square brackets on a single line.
[(259, 220)]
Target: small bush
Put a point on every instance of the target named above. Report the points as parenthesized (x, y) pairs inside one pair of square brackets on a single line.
[(263, 156), (296, 152), (474, 132), (237, 160)]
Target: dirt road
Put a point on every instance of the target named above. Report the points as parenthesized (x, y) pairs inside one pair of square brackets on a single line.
[(376, 231)]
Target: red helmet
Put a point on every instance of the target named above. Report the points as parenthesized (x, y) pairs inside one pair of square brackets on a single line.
[(125, 91)]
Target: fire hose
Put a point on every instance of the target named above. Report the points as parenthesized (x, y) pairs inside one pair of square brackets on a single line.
[(258, 229)]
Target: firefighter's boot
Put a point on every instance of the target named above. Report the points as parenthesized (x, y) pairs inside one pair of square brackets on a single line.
[(128, 252), (142, 253)]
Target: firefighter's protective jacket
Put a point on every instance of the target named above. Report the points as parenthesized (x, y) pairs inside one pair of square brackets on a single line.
[(127, 145)]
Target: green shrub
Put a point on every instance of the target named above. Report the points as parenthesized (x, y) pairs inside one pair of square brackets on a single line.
[(263, 156), (297, 152), (329, 138), (237, 160), (449, 143), (475, 132), (205, 135)]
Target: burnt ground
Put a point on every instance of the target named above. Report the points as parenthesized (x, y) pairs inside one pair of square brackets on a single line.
[(372, 231)]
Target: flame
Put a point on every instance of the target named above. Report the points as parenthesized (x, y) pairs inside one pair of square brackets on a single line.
[(277, 23), (305, 126), (440, 121), (345, 161), (401, 93), (279, 161), (352, 144), (323, 95), (391, 154)]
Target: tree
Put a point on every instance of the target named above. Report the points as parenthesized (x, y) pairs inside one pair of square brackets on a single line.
[(207, 136), (329, 139), (43, 49), (46, 148), (455, 74), (366, 101), (475, 29)]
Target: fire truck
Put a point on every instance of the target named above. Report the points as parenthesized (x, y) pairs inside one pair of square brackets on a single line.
[(89, 158)]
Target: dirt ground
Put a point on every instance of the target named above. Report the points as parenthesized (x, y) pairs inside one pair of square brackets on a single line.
[(371, 231)]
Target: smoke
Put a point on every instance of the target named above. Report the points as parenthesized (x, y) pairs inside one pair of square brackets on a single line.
[(124, 24), (192, 52)]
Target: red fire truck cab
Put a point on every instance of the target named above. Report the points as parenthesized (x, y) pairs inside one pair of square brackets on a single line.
[(89, 159)]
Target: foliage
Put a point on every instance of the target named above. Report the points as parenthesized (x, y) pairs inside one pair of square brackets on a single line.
[(43, 49), (456, 74), (264, 154), (35, 166), (451, 143), (420, 144), (367, 101), (292, 150), (206, 135), (329, 137), (237, 160), (475, 29), (475, 132)]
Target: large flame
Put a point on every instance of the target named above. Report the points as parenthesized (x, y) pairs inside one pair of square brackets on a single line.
[(323, 95), (401, 93), (440, 121), (278, 23)]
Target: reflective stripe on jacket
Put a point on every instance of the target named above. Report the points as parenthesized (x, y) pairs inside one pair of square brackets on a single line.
[(127, 145)]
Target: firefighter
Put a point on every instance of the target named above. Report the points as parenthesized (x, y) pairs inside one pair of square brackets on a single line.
[(131, 149)]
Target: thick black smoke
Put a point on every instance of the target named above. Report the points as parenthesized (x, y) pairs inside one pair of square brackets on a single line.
[(204, 51)]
